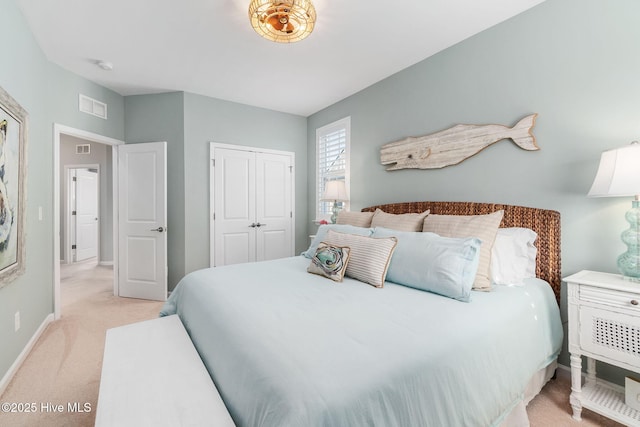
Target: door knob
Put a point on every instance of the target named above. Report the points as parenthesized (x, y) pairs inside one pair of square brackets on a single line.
[(159, 229)]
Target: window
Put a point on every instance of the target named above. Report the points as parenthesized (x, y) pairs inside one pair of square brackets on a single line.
[(332, 161)]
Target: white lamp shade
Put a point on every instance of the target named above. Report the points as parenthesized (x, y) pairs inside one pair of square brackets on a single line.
[(335, 190), (618, 173)]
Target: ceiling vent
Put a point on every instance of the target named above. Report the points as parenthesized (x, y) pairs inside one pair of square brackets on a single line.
[(93, 107), (83, 149)]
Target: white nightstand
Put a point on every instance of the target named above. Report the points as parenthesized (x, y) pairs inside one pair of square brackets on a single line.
[(604, 325)]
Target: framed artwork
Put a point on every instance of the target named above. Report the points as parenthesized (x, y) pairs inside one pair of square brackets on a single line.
[(13, 141)]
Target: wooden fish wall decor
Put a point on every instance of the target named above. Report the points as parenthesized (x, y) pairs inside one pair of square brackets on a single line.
[(452, 146)]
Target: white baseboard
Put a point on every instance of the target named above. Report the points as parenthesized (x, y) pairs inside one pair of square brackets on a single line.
[(23, 355), (106, 263)]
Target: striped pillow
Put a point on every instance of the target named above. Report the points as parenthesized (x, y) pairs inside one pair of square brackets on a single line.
[(400, 222), (484, 227), (359, 219), (369, 258)]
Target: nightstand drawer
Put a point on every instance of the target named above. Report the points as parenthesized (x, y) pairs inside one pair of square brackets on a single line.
[(611, 298), (610, 334)]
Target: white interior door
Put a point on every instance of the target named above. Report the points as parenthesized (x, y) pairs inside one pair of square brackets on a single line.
[(252, 204), (235, 207), (142, 213), (274, 214), (86, 208)]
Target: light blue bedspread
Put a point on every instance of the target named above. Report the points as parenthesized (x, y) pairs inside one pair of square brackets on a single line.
[(288, 348)]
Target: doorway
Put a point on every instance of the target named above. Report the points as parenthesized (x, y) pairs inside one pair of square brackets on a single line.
[(82, 214), (76, 141)]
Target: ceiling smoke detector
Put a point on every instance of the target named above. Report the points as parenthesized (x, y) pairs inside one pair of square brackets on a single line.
[(105, 65)]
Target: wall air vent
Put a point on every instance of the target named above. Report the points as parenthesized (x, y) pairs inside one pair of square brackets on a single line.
[(83, 149), (93, 107)]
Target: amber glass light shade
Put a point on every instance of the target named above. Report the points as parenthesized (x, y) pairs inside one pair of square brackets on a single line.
[(285, 21)]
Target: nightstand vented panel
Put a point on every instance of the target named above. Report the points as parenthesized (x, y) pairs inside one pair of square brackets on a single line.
[(616, 335), (610, 334)]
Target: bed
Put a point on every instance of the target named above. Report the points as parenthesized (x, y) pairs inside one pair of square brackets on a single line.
[(289, 348)]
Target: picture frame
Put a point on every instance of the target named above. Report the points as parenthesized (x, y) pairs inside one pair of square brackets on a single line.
[(13, 142)]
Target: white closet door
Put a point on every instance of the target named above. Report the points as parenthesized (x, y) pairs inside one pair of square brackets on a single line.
[(252, 215), (274, 174), (234, 207)]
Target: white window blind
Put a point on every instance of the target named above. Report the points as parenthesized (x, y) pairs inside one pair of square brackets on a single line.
[(332, 145)]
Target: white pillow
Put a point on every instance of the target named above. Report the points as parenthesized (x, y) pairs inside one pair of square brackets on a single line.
[(513, 256)]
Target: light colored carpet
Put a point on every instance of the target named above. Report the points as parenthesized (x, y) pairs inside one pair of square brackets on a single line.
[(551, 407), (64, 366)]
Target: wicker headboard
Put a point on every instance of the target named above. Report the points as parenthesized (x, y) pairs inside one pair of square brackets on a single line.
[(544, 222)]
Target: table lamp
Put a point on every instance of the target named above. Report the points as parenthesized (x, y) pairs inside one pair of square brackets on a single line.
[(619, 175), (335, 191)]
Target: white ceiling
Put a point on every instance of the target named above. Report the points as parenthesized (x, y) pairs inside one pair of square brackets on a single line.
[(208, 47)]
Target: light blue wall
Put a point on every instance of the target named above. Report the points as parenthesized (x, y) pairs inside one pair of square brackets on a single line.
[(50, 95), (213, 120), (188, 123), (574, 62)]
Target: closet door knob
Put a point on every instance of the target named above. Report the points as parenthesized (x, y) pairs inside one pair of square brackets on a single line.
[(634, 302)]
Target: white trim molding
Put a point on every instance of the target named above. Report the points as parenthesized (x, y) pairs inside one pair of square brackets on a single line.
[(25, 352), (59, 130)]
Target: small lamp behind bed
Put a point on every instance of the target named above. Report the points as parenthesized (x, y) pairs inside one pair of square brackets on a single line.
[(619, 175), (335, 191)]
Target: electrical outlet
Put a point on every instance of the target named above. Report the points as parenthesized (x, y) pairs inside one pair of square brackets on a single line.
[(17, 321)]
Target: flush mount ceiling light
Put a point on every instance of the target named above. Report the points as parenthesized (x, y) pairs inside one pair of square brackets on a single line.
[(284, 21)]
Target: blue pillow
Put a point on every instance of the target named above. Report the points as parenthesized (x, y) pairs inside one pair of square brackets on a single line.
[(442, 265), (340, 228)]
